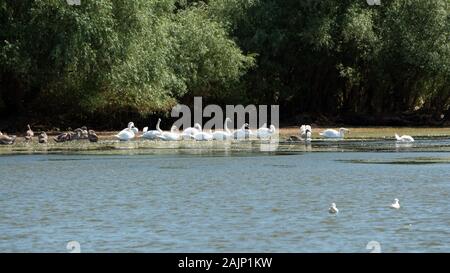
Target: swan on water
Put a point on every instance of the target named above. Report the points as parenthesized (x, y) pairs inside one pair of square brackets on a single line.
[(173, 135), (333, 209), (331, 133), (223, 135), (396, 204), (264, 132), (127, 133), (404, 138), (305, 133), (152, 134), (242, 133)]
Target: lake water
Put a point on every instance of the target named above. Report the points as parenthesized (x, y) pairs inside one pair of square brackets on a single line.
[(227, 198)]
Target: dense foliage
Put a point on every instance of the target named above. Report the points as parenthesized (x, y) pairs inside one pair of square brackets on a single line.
[(333, 57)]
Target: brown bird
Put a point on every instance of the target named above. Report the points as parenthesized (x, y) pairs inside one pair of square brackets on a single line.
[(30, 134), (42, 138), (7, 140), (92, 136)]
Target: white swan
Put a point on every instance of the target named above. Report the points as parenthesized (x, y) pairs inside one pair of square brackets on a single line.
[(242, 133), (333, 209), (331, 133), (396, 204), (152, 134), (170, 136), (203, 136), (264, 132), (305, 133), (404, 138), (193, 130), (223, 135), (127, 133)]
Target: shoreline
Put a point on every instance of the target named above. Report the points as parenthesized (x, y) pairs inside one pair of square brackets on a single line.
[(356, 133)]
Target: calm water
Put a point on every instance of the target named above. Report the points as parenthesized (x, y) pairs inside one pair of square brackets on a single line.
[(226, 200)]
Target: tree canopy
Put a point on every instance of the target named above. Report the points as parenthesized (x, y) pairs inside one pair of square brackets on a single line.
[(330, 57)]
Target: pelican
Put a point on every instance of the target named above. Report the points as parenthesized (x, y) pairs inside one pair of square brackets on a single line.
[(331, 133), (242, 133), (127, 133), (7, 140), (152, 134), (404, 138), (305, 133), (170, 136), (223, 135), (264, 132), (42, 137), (92, 136), (396, 204), (333, 209), (30, 134)]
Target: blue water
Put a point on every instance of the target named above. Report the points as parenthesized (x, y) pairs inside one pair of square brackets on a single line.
[(220, 202)]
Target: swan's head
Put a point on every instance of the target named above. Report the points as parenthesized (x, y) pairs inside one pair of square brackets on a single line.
[(344, 130), (198, 126), (396, 200), (173, 128), (245, 126), (333, 205), (29, 128), (130, 125), (228, 120)]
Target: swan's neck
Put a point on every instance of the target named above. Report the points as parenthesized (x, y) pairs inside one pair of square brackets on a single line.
[(157, 125), (225, 126)]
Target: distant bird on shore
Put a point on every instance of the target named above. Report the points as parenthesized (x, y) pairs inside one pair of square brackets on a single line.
[(7, 140), (30, 134), (92, 136), (152, 134), (404, 138), (265, 133), (127, 133), (305, 133), (396, 204), (333, 209), (81, 133), (331, 133), (42, 138), (64, 137)]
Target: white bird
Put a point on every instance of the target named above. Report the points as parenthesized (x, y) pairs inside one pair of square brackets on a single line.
[(127, 133), (305, 133), (223, 135), (331, 133), (152, 134), (193, 130), (242, 133), (333, 209), (396, 204), (404, 138), (170, 136), (203, 136), (264, 132)]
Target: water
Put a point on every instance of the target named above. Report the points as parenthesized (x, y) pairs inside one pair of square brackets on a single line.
[(235, 198)]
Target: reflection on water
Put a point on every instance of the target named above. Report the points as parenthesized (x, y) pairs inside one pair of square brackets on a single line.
[(229, 197)]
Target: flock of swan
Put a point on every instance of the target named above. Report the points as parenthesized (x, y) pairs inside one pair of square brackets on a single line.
[(196, 133), (334, 210), (192, 133)]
